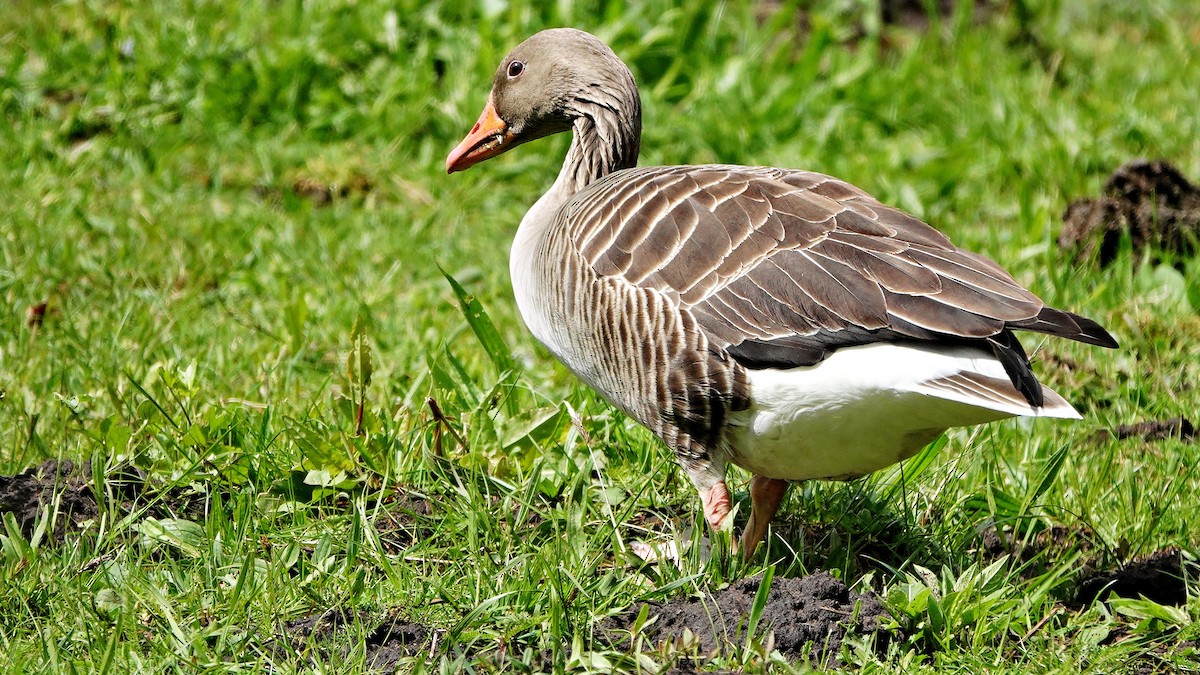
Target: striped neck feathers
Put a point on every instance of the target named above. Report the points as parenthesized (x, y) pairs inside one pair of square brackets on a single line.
[(606, 133), (606, 124)]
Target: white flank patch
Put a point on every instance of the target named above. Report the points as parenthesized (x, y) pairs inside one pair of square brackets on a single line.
[(866, 408)]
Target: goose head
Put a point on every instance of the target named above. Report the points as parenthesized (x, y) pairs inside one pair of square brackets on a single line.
[(557, 80)]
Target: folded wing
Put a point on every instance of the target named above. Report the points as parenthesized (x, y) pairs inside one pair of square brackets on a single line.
[(782, 267)]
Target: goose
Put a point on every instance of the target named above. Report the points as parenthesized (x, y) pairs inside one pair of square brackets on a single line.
[(780, 320)]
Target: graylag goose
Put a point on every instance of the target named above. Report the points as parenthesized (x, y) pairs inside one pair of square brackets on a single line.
[(781, 320)]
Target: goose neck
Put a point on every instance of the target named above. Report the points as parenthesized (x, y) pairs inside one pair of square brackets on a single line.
[(602, 141), (606, 137)]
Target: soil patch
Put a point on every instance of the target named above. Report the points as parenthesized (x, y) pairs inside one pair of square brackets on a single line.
[(408, 519), (61, 485), (1153, 430), (1163, 659), (1160, 577), (1150, 200), (915, 13), (318, 192), (809, 617), (1049, 543), (66, 487), (690, 669), (391, 641)]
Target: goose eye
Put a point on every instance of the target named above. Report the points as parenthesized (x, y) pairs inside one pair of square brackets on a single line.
[(515, 69)]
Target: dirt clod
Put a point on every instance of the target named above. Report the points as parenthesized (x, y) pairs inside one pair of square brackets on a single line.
[(35, 315), (1160, 577), (407, 519), (318, 192), (62, 484), (1154, 430), (1151, 200), (1049, 543), (809, 616), (1163, 659), (391, 641), (322, 193), (916, 13)]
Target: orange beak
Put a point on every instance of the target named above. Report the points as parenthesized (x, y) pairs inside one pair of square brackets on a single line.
[(489, 137)]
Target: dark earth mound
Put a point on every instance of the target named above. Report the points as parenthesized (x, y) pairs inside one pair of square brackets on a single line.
[(809, 616), (391, 641), (67, 488), (408, 519), (1050, 543), (916, 13), (1151, 200), (687, 668), (1154, 430), (26, 494), (1160, 577), (1163, 659), (315, 190)]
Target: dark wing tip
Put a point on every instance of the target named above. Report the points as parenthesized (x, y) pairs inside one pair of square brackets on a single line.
[(1065, 324), (1095, 333), (1012, 356)]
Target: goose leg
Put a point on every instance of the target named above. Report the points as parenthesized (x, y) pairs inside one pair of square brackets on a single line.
[(717, 504), (765, 495)]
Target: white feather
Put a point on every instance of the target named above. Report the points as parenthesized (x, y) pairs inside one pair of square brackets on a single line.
[(865, 408)]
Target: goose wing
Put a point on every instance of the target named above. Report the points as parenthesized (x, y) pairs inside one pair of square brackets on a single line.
[(782, 267)]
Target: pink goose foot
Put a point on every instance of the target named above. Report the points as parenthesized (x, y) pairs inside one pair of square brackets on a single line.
[(765, 496)]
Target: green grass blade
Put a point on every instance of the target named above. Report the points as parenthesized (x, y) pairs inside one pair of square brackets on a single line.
[(1049, 474), (485, 331), (760, 603)]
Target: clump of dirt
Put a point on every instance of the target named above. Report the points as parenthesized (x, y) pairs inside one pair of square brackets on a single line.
[(809, 617), (322, 625), (1164, 659), (391, 641), (322, 193), (1151, 200), (1153, 430), (62, 485), (1049, 542), (687, 668), (407, 520), (316, 191), (916, 14), (67, 487), (1160, 577)]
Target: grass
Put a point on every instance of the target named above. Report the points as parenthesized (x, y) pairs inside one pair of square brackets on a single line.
[(233, 216)]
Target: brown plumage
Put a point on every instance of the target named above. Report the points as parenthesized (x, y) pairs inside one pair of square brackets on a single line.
[(751, 315)]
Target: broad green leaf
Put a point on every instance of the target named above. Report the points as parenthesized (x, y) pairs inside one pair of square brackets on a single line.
[(185, 536), (536, 428), (1141, 608), (482, 326)]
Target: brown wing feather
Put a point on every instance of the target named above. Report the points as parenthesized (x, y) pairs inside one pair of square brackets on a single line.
[(782, 267)]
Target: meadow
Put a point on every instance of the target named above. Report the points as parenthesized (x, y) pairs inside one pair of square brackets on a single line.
[(278, 347)]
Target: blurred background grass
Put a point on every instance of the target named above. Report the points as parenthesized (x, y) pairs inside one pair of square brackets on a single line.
[(175, 165), (201, 198)]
